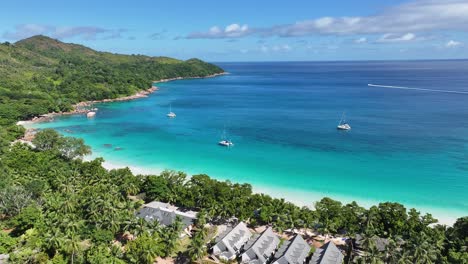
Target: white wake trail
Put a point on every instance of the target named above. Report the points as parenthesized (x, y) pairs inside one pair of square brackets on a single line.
[(417, 89)]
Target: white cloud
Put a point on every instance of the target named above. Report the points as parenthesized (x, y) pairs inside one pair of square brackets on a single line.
[(234, 28), (69, 32), (230, 31), (215, 30), (416, 16), (86, 32), (324, 22), (453, 43), (360, 40), (26, 30), (385, 38)]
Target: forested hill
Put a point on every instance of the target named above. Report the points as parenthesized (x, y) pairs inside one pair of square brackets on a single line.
[(40, 75)]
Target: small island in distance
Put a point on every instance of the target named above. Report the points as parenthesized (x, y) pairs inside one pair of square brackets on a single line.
[(57, 208)]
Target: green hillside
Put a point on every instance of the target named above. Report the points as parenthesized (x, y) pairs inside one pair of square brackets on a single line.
[(40, 75)]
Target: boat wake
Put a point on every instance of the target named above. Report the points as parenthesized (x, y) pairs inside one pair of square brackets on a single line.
[(417, 89)]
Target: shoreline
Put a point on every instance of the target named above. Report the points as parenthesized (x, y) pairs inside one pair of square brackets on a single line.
[(194, 77), (297, 197), (82, 107)]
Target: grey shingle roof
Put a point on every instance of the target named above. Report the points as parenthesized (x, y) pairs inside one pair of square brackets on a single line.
[(260, 247), (327, 254), (294, 251), (232, 240), (165, 214)]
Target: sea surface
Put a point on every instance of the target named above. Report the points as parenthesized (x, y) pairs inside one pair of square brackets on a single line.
[(408, 146)]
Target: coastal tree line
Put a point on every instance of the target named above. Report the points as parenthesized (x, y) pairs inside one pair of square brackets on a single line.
[(56, 208)]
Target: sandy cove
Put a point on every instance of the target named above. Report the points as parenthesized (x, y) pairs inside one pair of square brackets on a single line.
[(84, 107)]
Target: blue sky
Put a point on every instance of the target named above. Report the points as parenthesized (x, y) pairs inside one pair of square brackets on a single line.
[(250, 30)]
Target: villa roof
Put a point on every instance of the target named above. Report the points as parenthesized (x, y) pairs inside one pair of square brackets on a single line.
[(261, 247), (166, 214), (158, 204), (233, 239), (294, 251), (327, 254)]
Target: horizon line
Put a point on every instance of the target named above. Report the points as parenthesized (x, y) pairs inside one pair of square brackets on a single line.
[(344, 60)]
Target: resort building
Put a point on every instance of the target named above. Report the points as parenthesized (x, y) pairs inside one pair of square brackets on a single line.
[(166, 214), (260, 247), (230, 242), (327, 254), (294, 251)]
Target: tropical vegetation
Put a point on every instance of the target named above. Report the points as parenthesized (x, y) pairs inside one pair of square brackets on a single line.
[(60, 209), (40, 75), (57, 208)]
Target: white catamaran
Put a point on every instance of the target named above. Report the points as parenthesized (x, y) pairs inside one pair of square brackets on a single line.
[(343, 125), (225, 142), (171, 114)]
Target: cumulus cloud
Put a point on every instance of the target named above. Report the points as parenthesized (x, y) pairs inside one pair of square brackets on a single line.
[(453, 43), (415, 16), (230, 31), (85, 32), (385, 38), (69, 32), (26, 30), (360, 40)]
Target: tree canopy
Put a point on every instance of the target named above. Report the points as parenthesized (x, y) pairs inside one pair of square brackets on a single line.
[(40, 75), (65, 210)]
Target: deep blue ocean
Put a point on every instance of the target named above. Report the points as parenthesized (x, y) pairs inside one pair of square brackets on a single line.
[(409, 146)]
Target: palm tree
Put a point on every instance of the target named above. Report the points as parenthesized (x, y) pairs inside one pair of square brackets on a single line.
[(116, 255), (197, 248), (72, 246), (55, 240), (373, 255), (405, 258), (421, 249), (202, 219), (391, 251), (367, 241), (170, 235)]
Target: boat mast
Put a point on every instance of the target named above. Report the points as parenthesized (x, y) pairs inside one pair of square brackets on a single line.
[(224, 135), (342, 119)]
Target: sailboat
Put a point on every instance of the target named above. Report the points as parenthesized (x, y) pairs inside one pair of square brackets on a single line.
[(225, 142), (343, 125), (171, 114)]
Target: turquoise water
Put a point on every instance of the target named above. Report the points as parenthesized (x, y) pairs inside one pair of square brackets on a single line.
[(406, 146)]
